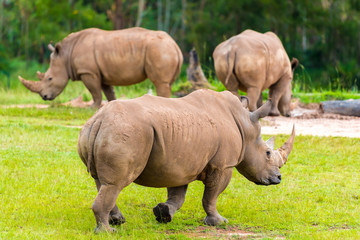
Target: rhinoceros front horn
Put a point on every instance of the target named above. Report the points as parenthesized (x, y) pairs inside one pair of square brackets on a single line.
[(31, 85), (285, 149)]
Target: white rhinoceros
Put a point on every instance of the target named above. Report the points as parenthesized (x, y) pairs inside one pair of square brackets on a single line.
[(253, 62), (103, 59), (164, 142)]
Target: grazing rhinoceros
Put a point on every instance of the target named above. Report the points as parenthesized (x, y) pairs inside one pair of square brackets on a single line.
[(102, 59), (164, 142), (253, 62)]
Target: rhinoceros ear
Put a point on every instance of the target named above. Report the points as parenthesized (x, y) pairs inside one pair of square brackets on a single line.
[(244, 101), (271, 143), (57, 48), (263, 111), (294, 63)]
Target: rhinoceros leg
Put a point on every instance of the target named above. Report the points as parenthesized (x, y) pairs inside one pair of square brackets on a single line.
[(163, 89), (102, 206), (115, 217), (253, 94), (215, 183), (93, 84), (259, 101), (109, 92), (164, 212)]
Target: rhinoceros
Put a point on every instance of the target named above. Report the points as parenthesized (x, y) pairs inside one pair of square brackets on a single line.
[(164, 142), (102, 59), (253, 62)]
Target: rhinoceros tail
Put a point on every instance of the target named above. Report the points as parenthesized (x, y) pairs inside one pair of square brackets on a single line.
[(230, 60), (93, 132)]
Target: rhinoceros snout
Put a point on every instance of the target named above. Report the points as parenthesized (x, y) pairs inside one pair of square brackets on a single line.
[(275, 180), (47, 97)]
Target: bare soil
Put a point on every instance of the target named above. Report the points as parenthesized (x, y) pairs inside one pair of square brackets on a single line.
[(310, 120), (224, 233)]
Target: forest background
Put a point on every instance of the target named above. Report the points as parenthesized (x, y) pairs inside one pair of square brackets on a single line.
[(323, 34)]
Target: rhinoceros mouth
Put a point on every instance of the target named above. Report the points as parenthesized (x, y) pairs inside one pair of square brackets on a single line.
[(46, 97), (270, 181)]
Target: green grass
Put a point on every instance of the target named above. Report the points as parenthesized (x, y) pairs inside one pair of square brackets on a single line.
[(46, 193)]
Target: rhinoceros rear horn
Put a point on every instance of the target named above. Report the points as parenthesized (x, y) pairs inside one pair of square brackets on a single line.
[(288, 145), (263, 111), (31, 85), (40, 75)]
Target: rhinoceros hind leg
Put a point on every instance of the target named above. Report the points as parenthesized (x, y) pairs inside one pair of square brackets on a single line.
[(253, 94), (164, 212), (215, 183), (163, 89), (103, 204)]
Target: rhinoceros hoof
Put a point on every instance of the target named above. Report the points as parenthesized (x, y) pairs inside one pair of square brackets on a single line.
[(162, 213), (215, 220), (116, 219)]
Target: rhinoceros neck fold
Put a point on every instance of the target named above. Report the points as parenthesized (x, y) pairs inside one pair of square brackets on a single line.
[(69, 43)]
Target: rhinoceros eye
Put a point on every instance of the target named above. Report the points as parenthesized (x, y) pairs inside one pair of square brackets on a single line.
[(268, 153), (50, 78)]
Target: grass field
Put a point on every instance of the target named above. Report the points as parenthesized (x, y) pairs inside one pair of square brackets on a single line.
[(46, 193)]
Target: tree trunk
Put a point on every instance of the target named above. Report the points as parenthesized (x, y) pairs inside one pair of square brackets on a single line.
[(141, 8), (348, 107), (195, 74), (119, 17), (159, 15)]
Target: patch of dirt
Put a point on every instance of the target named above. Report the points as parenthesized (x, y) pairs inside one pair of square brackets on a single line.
[(310, 120), (221, 233)]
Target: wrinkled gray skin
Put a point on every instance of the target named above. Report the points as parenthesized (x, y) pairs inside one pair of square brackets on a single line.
[(252, 62), (164, 142), (103, 59)]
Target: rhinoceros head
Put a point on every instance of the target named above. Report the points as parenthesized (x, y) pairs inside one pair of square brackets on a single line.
[(261, 162), (54, 80), (285, 100)]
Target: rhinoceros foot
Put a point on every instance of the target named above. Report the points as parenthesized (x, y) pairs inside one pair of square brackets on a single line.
[(215, 220), (116, 219), (100, 229), (162, 213)]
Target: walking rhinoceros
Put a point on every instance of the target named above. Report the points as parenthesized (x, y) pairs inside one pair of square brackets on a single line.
[(253, 62), (103, 59), (164, 142)]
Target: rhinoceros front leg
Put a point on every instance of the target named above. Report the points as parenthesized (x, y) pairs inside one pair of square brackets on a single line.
[(115, 216), (93, 84), (215, 183), (164, 212)]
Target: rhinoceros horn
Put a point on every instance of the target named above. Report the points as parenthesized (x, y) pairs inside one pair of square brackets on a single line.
[(263, 111), (31, 85), (285, 149)]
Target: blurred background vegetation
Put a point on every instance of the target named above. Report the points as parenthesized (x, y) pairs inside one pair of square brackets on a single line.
[(323, 34)]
